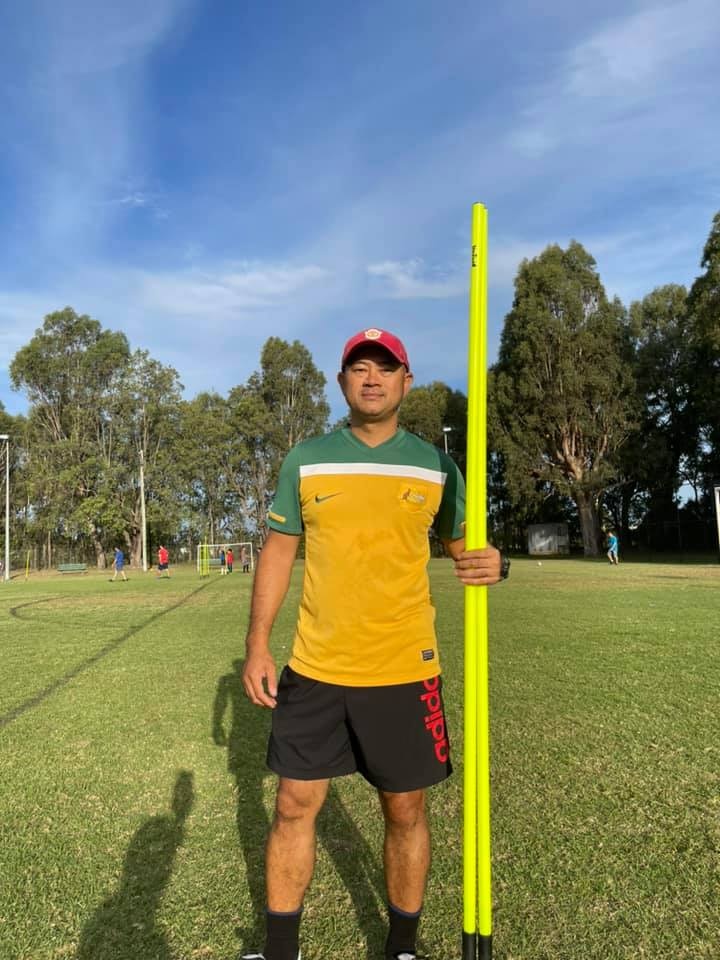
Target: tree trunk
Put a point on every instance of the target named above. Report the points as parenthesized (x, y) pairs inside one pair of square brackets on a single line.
[(136, 549), (100, 558), (589, 522)]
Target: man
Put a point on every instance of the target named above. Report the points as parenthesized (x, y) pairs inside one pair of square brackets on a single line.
[(229, 559), (362, 691), (118, 564), (163, 562)]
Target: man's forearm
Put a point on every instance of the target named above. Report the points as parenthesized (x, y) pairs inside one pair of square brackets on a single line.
[(272, 579), (454, 548)]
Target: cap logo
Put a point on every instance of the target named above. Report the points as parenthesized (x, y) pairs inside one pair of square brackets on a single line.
[(372, 334)]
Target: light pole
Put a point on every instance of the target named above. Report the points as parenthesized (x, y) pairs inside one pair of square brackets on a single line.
[(143, 522), (446, 431), (716, 491), (6, 571)]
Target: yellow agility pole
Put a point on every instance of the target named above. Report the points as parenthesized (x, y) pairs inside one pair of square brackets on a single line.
[(477, 894)]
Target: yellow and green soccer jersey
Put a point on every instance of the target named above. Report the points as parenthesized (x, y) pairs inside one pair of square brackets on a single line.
[(366, 617)]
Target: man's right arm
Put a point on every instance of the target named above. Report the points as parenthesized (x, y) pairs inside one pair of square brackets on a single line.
[(272, 579)]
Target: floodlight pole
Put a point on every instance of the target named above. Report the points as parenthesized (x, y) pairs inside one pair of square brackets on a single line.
[(446, 431), (717, 510), (143, 523), (6, 571)]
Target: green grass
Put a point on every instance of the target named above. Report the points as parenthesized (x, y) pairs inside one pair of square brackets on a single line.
[(134, 797)]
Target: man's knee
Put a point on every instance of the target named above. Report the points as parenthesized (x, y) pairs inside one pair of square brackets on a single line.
[(403, 811), (299, 799)]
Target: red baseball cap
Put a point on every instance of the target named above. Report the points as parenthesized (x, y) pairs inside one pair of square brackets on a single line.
[(383, 339)]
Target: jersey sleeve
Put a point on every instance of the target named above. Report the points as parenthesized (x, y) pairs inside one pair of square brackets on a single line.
[(285, 514), (450, 519)]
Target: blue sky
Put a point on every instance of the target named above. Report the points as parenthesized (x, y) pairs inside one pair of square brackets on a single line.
[(203, 175)]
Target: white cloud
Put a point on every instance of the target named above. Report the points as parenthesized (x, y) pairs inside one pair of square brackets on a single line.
[(629, 56), (640, 86), (413, 280), (230, 290), (20, 316), (83, 89)]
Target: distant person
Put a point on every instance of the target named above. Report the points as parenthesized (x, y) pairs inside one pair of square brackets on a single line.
[(612, 553), (223, 569), (163, 562), (229, 559), (118, 564), (245, 560)]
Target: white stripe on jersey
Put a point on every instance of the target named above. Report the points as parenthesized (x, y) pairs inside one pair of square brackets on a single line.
[(373, 470)]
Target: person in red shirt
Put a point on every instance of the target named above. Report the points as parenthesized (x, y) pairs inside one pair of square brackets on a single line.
[(163, 561), (229, 559)]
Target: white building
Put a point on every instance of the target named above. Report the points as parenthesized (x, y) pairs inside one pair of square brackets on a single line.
[(546, 539)]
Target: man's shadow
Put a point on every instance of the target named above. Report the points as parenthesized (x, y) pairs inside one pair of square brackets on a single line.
[(124, 926), (243, 728)]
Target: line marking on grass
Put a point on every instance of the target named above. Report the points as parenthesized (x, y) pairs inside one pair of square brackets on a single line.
[(66, 678), (13, 611)]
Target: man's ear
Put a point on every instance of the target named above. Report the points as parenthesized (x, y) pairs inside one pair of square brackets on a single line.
[(408, 382)]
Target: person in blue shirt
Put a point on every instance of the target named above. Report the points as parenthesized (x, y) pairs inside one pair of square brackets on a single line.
[(119, 564), (612, 553)]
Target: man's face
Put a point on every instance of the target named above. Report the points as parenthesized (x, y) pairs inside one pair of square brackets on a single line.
[(374, 383)]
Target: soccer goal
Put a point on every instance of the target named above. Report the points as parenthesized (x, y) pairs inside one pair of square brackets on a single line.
[(213, 556)]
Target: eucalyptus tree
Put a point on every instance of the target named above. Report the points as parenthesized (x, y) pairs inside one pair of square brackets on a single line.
[(651, 464), (201, 460), (704, 334), (141, 429), (293, 390), (251, 457), (67, 372), (562, 389)]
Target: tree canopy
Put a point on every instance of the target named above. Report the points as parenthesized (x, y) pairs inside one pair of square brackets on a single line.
[(562, 389), (598, 415)]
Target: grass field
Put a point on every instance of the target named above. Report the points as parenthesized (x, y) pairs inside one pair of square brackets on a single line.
[(134, 798)]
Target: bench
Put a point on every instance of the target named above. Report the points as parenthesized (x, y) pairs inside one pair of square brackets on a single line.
[(72, 568)]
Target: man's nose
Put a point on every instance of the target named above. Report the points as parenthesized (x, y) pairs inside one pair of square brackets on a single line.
[(372, 377)]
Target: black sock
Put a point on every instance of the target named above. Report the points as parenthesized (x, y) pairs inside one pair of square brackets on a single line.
[(283, 935), (403, 931)]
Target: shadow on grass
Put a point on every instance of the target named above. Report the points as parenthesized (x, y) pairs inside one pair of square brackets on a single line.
[(243, 729), (124, 926), (84, 665)]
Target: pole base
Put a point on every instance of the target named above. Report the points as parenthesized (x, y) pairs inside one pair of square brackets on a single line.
[(469, 946), (476, 946)]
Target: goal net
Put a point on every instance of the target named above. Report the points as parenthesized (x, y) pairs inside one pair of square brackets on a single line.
[(214, 557)]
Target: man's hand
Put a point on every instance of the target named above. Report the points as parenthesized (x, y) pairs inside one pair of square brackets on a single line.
[(259, 673), (477, 568)]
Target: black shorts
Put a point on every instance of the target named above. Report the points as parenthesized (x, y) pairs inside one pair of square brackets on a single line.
[(395, 736)]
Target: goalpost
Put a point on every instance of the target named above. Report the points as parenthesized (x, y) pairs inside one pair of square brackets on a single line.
[(208, 557)]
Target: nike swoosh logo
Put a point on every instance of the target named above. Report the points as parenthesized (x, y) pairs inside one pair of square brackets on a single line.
[(329, 496)]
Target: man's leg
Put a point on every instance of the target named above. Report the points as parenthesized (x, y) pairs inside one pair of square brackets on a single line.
[(407, 861), (290, 851), (290, 861)]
